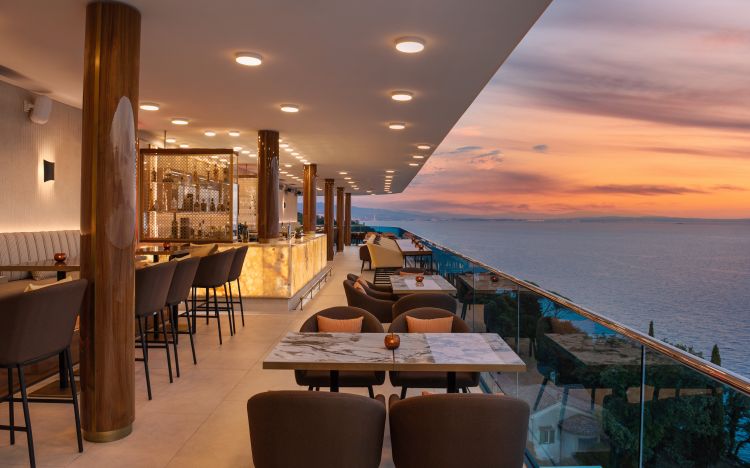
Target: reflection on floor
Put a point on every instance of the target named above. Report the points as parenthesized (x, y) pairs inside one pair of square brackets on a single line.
[(200, 420)]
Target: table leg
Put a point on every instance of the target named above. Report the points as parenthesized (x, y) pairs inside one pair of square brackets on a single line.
[(62, 370), (156, 259), (451, 384), (334, 381), (61, 275)]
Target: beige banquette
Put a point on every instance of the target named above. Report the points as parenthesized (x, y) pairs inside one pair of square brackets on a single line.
[(22, 247)]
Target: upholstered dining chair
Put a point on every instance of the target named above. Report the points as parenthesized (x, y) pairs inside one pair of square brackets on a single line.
[(379, 291), (179, 290), (364, 255), (35, 326), (298, 429), (234, 276), (424, 435), (213, 271), (429, 379), (419, 300), (380, 308), (386, 259), (316, 379)]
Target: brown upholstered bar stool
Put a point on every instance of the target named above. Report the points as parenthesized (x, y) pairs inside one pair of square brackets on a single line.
[(297, 429), (35, 326), (234, 275), (151, 288), (179, 290), (424, 431), (213, 271)]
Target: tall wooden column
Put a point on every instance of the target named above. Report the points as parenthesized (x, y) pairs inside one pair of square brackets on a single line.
[(309, 198), (268, 185), (339, 219), (348, 219), (328, 217), (108, 201)]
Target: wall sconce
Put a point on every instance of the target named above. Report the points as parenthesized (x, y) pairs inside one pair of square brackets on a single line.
[(49, 170)]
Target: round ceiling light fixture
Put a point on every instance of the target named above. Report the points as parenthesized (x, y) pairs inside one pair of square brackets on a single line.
[(184, 146), (246, 152), (234, 133), (171, 140), (294, 153), (284, 145), (237, 148), (414, 164), (397, 125), (149, 106), (290, 108), (209, 133), (402, 96), (180, 121), (423, 147), (417, 156), (248, 59), (410, 44)]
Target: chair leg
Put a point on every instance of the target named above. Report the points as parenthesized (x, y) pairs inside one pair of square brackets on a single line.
[(539, 395), (144, 348), (310, 388), (230, 310), (26, 416), (208, 302), (173, 328), (593, 399), (242, 306), (216, 310), (190, 332), (370, 391), (11, 415), (563, 404), (160, 317), (74, 394), (403, 392), (363, 267), (194, 313)]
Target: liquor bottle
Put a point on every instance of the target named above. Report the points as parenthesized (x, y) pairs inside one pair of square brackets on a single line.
[(213, 206), (196, 206), (153, 175), (216, 172), (203, 205), (175, 226)]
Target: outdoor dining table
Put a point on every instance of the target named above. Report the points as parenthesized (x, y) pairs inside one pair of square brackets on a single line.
[(443, 352), (408, 249), (407, 284)]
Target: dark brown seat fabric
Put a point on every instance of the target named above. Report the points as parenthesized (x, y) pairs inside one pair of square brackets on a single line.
[(213, 271), (430, 431), (297, 429), (378, 291), (179, 291), (364, 255), (235, 270), (380, 308), (429, 379), (419, 300), (370, 324)]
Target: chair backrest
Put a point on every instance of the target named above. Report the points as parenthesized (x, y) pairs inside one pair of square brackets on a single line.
[(380, 308), (370, 323), (239, 259), (213, 269), (399, 323), (182, 280), (315, 430), (152, 286), (385, 257), (39, 323), (364, 253), (419, 300), (424, 431)]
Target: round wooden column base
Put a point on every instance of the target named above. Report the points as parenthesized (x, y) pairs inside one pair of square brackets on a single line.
[(108, 436)]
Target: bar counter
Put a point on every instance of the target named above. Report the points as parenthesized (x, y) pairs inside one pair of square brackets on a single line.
[(279, 269)]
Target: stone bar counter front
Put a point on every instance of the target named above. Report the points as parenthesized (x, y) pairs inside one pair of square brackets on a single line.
[(280, 269)]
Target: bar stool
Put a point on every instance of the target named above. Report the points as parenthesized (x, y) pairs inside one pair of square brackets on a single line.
[(213, 271), (35, 326), (234, 275), (179, 290), (151, 288)]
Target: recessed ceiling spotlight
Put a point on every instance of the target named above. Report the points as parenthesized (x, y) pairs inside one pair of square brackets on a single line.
[(237, 148), (414, 164), (184, 146), (246, 152), (234, 133), (294, 153), (209, 133), (423, 147), (410, 44), (180, 121), (369, 191), (304, 161), (350, 182), (287, 165), (149, 106), (249, 59), (291, 108), (402, 96), (288, 150), (390, 171), (347, 178), (282, 172), (298, 157), (343, 173), (397, 125), (215, 156), (318, 188), (284, 145), (418, 156), (171, 140)]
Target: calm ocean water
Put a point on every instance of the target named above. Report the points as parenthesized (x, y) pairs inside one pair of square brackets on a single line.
[(692, 279)]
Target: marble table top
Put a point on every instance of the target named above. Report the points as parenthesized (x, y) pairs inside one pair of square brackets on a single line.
[(448, 352), (407, 284), (408, 248)]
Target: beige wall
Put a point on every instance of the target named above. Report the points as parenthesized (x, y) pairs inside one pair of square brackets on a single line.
[(288, 214), (27, 203)]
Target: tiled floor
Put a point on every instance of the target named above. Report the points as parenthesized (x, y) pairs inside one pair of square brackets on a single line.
[(200, 420)]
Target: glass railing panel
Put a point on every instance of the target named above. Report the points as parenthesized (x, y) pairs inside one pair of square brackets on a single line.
[(691, 420)]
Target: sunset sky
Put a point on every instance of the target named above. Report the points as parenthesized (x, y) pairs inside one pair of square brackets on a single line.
[(616, 107)]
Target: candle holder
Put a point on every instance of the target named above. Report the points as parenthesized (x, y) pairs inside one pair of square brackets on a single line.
[(60, 257), (392, 341), (166, 245), (494, 278), (419, 279)]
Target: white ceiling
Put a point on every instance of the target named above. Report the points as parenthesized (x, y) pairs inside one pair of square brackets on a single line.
[(334, 58)]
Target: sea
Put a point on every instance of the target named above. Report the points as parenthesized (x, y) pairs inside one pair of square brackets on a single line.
[(691, 278)]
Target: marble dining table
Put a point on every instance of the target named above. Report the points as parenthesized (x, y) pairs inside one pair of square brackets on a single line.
[(442, 352)]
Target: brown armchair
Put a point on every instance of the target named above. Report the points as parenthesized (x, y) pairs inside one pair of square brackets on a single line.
[(423, 431), (382, 291), (380, 308), (316, 379), (364, 255), (315, 430), (429, 379), (419, 300)]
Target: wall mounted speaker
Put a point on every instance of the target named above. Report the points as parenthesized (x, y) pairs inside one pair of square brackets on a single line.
[(49, 170), (39, 110)]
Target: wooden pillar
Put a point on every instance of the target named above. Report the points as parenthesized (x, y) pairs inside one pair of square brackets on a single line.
[(348, 219), (309, 198), (328, 217), (108, 215), (268, 185), (339, 219)]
